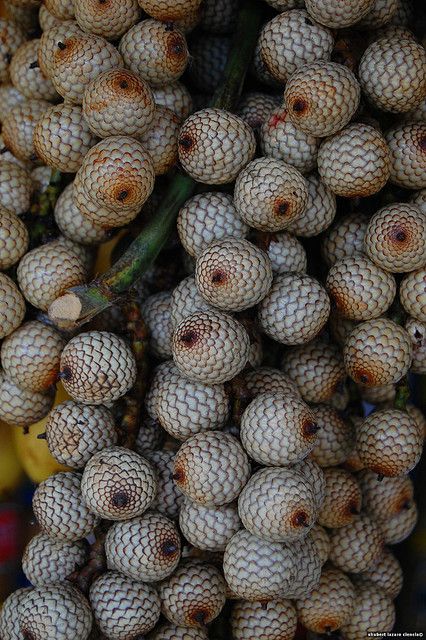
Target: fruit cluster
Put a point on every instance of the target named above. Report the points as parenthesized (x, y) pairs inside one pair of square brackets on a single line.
[(248, 462)]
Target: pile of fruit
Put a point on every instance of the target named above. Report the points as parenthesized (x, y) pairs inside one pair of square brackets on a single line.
[(237, 429)]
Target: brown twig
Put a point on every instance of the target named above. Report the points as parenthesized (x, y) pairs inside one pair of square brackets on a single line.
[(133, 400), (96, 564)]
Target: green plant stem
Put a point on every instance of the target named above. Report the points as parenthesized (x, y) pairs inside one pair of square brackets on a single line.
[(402, 395), (81, 304)]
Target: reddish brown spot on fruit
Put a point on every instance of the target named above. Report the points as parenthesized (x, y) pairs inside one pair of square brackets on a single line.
[(120, 499), (124, 84), (327, 625), (28, 635), (179, 475), (218, 276), (169, 548), (309, 428), (363, 377), (406, 504), (186, 142), (398, 234), (189, 338), (122, 195), (282, 207), (300, 519), (200, 616), (176, 45), (62, 46), (353, 508), (299, 106)]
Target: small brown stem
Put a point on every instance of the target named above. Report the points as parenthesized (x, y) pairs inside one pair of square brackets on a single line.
[(133, 400), (96, 563)]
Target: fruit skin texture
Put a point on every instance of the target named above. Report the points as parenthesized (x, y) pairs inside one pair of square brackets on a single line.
[(21, 407), (386, 575), (277, 505), (59, 612), (194, 595), (47, 561), (389, 442), (9, 624), (321, 97), (155, 52), (329, 605), (175, 632), (411, 293), (356, 547), (207, 217), (336, 437), (291, 40), (355, 162), (342, 499), (344, 239), (114, 181), (161, 140), (360, 289), (81, 58), (208, 528), (282, 140), (276, 621), (18, 129), (257, 570), (32, 83), (295, 309), (211, 468), (30, 356), (215, 145), (60, 510), (11, 37), (185, 408), (210, 347), (233, 274), (278, 429), (395, 238), (73, 224), (97, 367), (118, 102), (317, 369), (118, 484), (16, 187), (392, 73), (12, 308), (108, 19), (373, 612), (146, 548), (122, 607), (270, 194), (337, 15), (62, 137), (46, 272), (400, 526), (169, 10), (377, 352), (14, 238), (407, 149)]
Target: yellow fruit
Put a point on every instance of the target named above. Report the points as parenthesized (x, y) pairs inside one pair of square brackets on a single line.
[(11, 471), (34, 453)]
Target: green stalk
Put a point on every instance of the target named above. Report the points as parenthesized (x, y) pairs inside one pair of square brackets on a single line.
[(81, 304)]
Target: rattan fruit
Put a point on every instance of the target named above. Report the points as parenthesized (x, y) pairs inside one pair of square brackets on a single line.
[(60, 510), (147, 548), (278, 429), (91, 354), (214, 145), (47, 561), (321, 97), (118, 484), (138, 607), (210, 347), (211, 468), (377, 352), (357, 546), (275, 621)]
